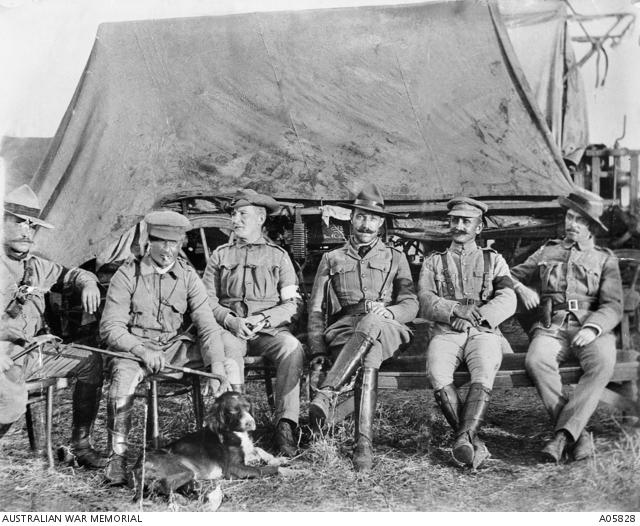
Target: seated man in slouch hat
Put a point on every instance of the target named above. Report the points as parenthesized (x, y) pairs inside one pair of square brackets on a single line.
[(25, 279), (373, 285), (578, 288)]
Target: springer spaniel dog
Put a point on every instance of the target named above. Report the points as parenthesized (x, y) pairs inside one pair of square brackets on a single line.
[(221, 449)]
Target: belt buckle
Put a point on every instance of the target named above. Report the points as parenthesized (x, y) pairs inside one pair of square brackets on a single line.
[(367, 305), (572, 305)]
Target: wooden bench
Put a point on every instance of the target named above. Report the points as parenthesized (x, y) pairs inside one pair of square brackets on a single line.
[(408, 372)]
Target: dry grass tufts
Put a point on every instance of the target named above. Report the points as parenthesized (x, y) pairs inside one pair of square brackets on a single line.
[(413, 469)]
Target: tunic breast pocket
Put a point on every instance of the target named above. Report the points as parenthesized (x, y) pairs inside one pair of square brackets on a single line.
[(588, 275), (441, 285), (344, 277), (379, 272), (265, 280), (230, 277), (550, 275), (174, 313)]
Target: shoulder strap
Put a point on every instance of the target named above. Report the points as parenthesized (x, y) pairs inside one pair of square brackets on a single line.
[(29, 271), (386, 279), (447, 275), (486, 256)]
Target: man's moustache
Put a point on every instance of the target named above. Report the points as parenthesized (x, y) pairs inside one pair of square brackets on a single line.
[(366, 231), (458, 232), (21, 240)]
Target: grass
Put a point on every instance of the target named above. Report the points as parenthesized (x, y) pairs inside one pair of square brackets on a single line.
[(413, 470)]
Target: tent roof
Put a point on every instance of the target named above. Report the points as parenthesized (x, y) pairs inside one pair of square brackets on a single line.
[(425, 100)]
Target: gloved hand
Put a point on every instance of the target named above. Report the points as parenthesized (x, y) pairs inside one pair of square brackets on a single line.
[(153, 358), (216, 387), (238, 327), (584, 337), (460, 325), (471, 313)]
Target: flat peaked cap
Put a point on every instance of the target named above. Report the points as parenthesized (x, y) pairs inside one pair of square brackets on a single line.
[(587, 204), (22, 202), (369, 199), (466, 207), (247, 197), (166, 224)]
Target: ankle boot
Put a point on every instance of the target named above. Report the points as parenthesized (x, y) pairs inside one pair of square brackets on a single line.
[(449, 402), (473, 414), (119, 412), (366, 394), (338, 376), (86, 399)]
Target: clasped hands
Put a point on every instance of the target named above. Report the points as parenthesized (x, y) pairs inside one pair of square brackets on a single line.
[(465, 317), (245, 328)]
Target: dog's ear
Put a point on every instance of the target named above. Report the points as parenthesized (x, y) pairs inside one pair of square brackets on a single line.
[(217, 420)]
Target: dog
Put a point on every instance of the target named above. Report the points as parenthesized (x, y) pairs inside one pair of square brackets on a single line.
[(221, 449)]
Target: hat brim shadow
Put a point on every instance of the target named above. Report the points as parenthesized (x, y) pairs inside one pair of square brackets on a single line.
[(567, 203), (32, 219), (378, 211)]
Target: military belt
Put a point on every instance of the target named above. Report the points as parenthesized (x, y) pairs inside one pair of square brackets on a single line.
[(469, 301), (575, 305), (362, 307)]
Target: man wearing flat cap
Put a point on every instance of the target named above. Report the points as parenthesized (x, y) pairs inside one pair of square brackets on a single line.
[(375, 298), (143, 316), (467, 291), (25, 279), (253, 291), (578, 290)]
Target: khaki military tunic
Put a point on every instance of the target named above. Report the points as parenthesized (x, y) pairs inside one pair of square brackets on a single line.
[(345, 282), (244, 279), (583, 283), (145, 306), (471, 281), (44, 362)]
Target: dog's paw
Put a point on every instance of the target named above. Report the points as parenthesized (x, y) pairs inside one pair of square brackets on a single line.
[(213, 499), (278, 461)]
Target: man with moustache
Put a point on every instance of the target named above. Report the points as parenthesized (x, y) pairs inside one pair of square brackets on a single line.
[(374, 289), (253, 291), (26, 278), (143, 316), (578, 288), (467, 291)]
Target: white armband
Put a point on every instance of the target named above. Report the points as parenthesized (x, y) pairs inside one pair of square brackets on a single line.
[(289, 292)]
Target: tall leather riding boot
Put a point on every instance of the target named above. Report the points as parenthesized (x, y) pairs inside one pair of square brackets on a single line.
[(366, 396), (472, 417), (338, 376), (449, 402), (119, 412), (4, 428), (86, 399)]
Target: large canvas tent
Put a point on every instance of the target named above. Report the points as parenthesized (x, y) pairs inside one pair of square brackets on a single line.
[(427, 101)]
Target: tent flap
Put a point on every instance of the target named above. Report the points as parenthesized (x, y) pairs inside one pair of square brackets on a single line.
[(303, 105)]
